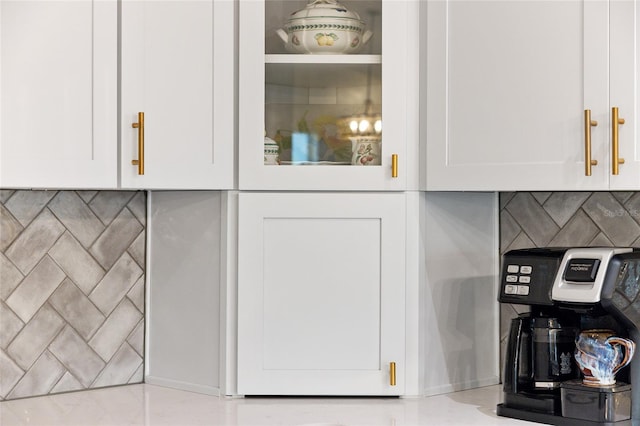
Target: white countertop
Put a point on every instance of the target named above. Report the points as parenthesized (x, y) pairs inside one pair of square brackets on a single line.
[(148, 405)]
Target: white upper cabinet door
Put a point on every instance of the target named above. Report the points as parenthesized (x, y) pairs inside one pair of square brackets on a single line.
[(505, 85), (58, 90), (321, 294), (178, 69), (625, 89), (305, 102)]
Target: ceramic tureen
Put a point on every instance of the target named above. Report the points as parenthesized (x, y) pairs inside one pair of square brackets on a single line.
[(324, 26)]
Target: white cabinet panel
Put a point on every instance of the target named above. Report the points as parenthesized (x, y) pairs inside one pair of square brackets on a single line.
[(58, 89), (505, 88), (625, 88), (321, 293), (175, 56), (183, 319)]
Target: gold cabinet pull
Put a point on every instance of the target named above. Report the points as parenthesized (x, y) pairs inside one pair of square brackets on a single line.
[(394, 165), (615, 155), (588, 124), (392, 373), (140, 126)]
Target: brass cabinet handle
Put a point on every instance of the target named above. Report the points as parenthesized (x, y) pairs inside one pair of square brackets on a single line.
[(392, 373), (140, 126), (394, 165), (588, 124), (615, 155)]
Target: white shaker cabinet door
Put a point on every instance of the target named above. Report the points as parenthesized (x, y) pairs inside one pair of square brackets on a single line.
[(177, 69), (625, 89), (505, 85), (321, 294), (58, 94)]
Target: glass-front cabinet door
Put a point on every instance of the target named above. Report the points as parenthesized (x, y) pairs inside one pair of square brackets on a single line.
[(323, 94)]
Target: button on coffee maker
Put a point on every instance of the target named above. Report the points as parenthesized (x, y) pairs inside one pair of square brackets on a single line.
[(579, 332)]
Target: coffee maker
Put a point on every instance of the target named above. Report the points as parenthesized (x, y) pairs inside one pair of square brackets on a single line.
[(566, 290)]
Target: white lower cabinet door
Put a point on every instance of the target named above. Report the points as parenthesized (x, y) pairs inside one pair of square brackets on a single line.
[(321, 297)]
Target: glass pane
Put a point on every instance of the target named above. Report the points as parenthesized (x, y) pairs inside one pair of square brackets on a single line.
[(323, 83)]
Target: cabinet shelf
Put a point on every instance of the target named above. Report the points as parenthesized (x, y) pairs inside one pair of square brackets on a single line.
[(322, 59)]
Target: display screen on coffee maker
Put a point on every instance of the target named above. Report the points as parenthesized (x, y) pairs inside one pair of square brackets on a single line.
[(581, 270)]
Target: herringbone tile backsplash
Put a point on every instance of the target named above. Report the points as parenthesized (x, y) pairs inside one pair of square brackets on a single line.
[(71, 290), (564, 219)]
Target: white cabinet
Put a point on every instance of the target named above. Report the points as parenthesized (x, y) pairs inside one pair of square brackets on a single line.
[(625, 88), (61, 86), (321, 294), (304, 102), (178, 69), (505, 86), (58, 94)]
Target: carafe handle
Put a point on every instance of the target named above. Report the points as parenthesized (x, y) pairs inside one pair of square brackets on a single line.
[(629, 349)]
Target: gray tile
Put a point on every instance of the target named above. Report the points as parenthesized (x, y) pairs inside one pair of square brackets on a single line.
[(35, 289), (579, 231), (504, 198), (76, 309), (26, 205), (612, 218), (116, 239), (115, 330), (87, 196), (136, 338), (108, 204), (67, 383), (633, 206), (77, 263), (521, 241), (532, 218), (11, 326), (10, 277), (138, 206), (10, 374), (138, 376), (509, 229), (77, 217), (541, 197), (120, 369), (5, 194), (77, 356), (562, 205), (40, 379), (35, 337), (136, 294), (116, 284), (10, 228), (622, 196), (600, 240), (137, 249), (34, 242)]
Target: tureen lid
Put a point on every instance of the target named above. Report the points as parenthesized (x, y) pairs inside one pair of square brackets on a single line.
[(324, 8)]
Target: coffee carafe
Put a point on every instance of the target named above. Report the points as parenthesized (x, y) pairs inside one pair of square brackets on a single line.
[(538, 359)]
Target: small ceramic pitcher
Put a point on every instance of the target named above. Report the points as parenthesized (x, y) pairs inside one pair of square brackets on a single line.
[(600, 354)]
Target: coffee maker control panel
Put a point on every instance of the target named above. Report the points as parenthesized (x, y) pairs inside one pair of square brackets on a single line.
[(583, 272), (528, 275)]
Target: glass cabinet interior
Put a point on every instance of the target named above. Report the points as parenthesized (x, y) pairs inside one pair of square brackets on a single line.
[(323, 109)]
